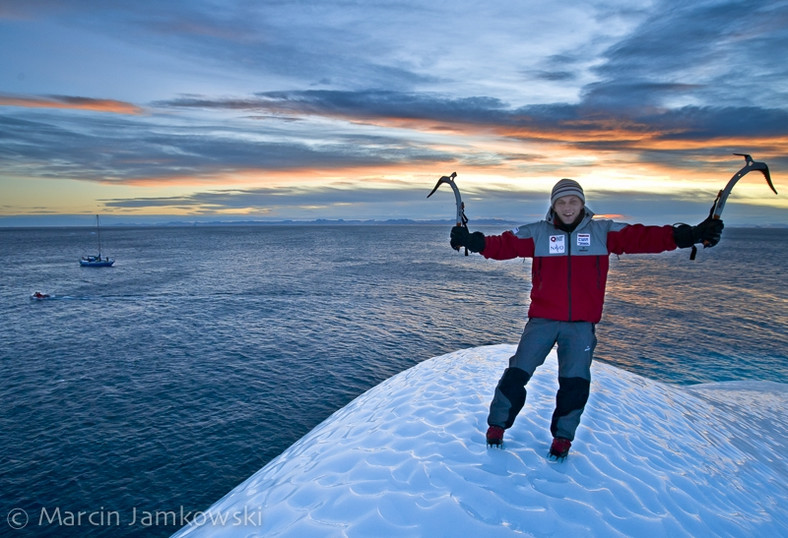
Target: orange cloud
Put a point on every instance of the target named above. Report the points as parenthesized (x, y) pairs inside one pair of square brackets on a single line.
[(304, 177), (623, 133), (72, 103), (611, 216)]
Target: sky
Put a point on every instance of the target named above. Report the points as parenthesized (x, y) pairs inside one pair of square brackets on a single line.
[(221, 110)]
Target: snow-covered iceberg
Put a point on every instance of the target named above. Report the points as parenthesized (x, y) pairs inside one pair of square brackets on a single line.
[(408, 458)]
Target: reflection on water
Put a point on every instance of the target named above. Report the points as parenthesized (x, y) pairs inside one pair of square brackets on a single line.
[(720, 317), (204, 352)]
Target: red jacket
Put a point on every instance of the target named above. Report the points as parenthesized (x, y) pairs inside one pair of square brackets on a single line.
[(569, 270)]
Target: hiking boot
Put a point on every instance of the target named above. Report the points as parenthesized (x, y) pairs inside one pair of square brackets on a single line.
[(560, 448), (495, 436)]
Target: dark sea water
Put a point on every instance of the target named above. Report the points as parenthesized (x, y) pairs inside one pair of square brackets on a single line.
[(144, 392)]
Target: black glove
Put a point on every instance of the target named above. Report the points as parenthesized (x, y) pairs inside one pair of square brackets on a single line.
[(707, 232), (461, 237)]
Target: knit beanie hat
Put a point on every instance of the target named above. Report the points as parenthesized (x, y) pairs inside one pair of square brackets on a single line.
[(567, 187)]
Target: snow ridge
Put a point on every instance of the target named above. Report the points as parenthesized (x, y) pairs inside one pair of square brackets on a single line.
[(408, 458)]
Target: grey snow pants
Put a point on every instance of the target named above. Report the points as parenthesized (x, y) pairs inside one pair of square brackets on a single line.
[(576, 342)]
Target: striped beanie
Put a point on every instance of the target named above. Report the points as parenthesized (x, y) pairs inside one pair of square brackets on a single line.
[(566, 187)]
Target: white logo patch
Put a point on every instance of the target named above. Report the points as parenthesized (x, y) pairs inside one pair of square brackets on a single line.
[(557, 244), (583, 240)]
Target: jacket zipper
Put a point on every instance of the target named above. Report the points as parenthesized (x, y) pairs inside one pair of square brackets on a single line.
[(569, 271)]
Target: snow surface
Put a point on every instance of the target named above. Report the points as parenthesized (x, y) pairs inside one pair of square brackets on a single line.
[(408, 458)]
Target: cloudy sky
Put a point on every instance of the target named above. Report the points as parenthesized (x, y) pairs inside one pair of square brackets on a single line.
[(270, 110)]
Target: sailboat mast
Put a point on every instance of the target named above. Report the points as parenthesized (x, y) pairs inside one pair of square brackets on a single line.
[(98, 232)]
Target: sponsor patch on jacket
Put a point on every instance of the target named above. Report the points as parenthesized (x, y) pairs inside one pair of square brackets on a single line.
[(557, 244), (583, 240)]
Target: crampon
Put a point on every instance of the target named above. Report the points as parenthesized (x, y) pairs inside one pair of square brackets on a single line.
[(559, 450), (495, 436)]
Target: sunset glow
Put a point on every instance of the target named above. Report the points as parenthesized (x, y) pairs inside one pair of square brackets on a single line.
[(258, 111)]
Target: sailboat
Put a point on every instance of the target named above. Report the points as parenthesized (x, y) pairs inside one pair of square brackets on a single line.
[(96, 261)]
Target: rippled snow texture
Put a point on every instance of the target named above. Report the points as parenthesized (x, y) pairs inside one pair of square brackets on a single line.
[(408, 458)]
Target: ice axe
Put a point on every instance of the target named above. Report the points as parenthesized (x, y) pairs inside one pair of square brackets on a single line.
[(722, 196), (461, 220), (749, 166)]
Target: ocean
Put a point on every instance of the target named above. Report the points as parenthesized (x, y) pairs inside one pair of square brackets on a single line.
[(140, 394)]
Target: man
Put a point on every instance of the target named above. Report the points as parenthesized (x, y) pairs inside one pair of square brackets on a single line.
[(570, 252)]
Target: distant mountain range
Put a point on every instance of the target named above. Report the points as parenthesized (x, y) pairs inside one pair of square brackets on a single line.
[(110, 221)]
